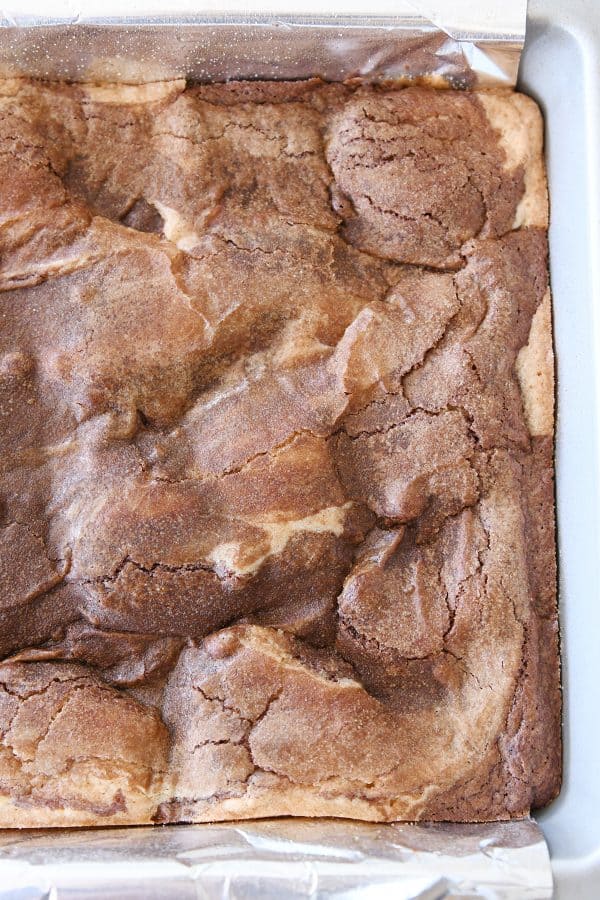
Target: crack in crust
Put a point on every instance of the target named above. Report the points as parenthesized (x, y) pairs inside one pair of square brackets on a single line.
[(277, 455)]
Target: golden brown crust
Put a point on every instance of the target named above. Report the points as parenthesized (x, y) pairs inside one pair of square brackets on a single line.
[(74, 750), (518, 121), (535, 371), (277, 530)]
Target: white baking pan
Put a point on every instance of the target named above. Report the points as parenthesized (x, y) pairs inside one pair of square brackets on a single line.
[(560, 68)]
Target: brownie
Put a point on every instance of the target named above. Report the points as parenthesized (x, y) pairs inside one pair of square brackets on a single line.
[(276, 430)]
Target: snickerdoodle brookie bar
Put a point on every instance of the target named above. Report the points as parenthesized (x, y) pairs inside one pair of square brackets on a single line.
[(276, 431)]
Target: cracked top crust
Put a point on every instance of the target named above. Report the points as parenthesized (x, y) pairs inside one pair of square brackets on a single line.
[(276, 455)]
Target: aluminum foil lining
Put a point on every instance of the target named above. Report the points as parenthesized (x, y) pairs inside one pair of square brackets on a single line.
[(278, 859), (467, 43), (463, 43)]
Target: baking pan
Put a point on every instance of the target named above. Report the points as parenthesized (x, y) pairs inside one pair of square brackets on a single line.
[(560, 68)]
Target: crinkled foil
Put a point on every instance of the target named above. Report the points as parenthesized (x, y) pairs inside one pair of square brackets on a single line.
[(466, 44), (463, 42), (278, 859)]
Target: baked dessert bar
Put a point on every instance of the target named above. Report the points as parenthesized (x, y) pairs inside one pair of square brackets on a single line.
[(276, 455)]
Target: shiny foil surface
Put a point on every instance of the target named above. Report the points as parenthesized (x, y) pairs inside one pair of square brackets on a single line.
[(465, 43), (278, 859)]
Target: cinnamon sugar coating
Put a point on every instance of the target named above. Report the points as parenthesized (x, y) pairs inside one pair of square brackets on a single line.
[(276, 469)]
